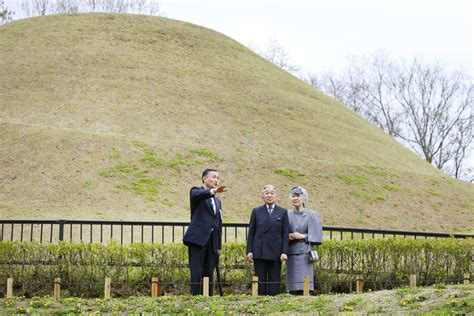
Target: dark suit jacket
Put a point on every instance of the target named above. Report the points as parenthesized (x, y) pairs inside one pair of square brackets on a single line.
[(203, 220), (268, 236)]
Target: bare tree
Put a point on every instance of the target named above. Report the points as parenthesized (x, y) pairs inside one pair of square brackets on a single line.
[(43, 7), (92, 5), (152, 8), (419, 104), (434, 105), (375, 76), (461, 148), (115, 6), (36, 7), (331, 84), (67, 6), (148, 7), (277, 54), (26, 8), (365, 86), (6, 15), (348, 88)]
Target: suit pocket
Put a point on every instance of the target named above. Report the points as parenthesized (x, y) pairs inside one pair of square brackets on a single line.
[(278, 223)]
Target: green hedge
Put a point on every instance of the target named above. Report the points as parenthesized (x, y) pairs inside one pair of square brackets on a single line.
[(385, 263)]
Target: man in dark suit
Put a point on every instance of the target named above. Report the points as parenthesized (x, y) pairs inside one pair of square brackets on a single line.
[(203, 236), (267, 242)]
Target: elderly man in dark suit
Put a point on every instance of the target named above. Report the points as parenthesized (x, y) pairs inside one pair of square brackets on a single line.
[(203, 236), (267, 242)]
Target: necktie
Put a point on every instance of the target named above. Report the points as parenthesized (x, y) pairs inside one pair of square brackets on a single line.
[(213, 205), (270, 210)]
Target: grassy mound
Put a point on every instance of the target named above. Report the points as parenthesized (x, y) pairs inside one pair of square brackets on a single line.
[(115, 117)]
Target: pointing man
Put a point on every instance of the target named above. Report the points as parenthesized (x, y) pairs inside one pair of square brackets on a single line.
[(203, 236)]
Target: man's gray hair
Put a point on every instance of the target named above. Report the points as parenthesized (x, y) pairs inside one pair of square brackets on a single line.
[(268, 186)]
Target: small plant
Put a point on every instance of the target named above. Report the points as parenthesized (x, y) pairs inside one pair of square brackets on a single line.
[(166, 202), (115, 154), (460, 307), (357, 180), (351, 305), (378, 171), (411, 302), (140, 144), (179, 159), (120, 170), (287, 172), (405, 290), (146, 186), (468, 205), (391, 187), (21, 310), (152, 159), (87, 185), (434, 193), (369, 197), (205, 153)]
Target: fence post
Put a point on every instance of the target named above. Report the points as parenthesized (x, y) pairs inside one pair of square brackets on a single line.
[(155, 287), (57, 289), (359, 283), (9, 287), (306, 286), (205, 286), (61, 229), (255, 286), (412, 280), (107, 288), (467, 278)]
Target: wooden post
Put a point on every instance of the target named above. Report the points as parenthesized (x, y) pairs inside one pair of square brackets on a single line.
[(412, 280), (467, 278), (205, 286), (107, 288), (255, 286), (155, 287), (306, 286), (359, 283), (57, 289), (9, 287)]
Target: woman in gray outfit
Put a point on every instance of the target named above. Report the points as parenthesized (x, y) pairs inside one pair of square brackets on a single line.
[(305, 232)]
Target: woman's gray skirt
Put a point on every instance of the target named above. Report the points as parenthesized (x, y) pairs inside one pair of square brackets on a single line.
[(297, 266)]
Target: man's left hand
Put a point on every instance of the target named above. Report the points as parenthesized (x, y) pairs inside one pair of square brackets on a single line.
[(222, 188)]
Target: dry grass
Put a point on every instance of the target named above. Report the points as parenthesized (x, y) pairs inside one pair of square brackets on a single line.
[(81, 94)]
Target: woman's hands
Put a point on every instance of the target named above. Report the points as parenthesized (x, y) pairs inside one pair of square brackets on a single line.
[(296, 236)]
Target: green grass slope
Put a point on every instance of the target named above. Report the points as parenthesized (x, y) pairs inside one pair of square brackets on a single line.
[(115, 117)]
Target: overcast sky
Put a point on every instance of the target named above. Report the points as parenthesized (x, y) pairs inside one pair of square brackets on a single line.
[(320, 34)]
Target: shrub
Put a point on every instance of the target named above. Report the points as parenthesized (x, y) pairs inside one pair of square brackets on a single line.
[(385, 263)]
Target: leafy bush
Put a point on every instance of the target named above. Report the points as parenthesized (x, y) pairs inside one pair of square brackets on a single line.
[(388, 263), (384, 263)]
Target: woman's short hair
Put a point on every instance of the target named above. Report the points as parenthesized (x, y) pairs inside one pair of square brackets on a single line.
[(300, 191)]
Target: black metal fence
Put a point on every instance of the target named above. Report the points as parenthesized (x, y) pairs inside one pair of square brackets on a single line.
[(51, 231)]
